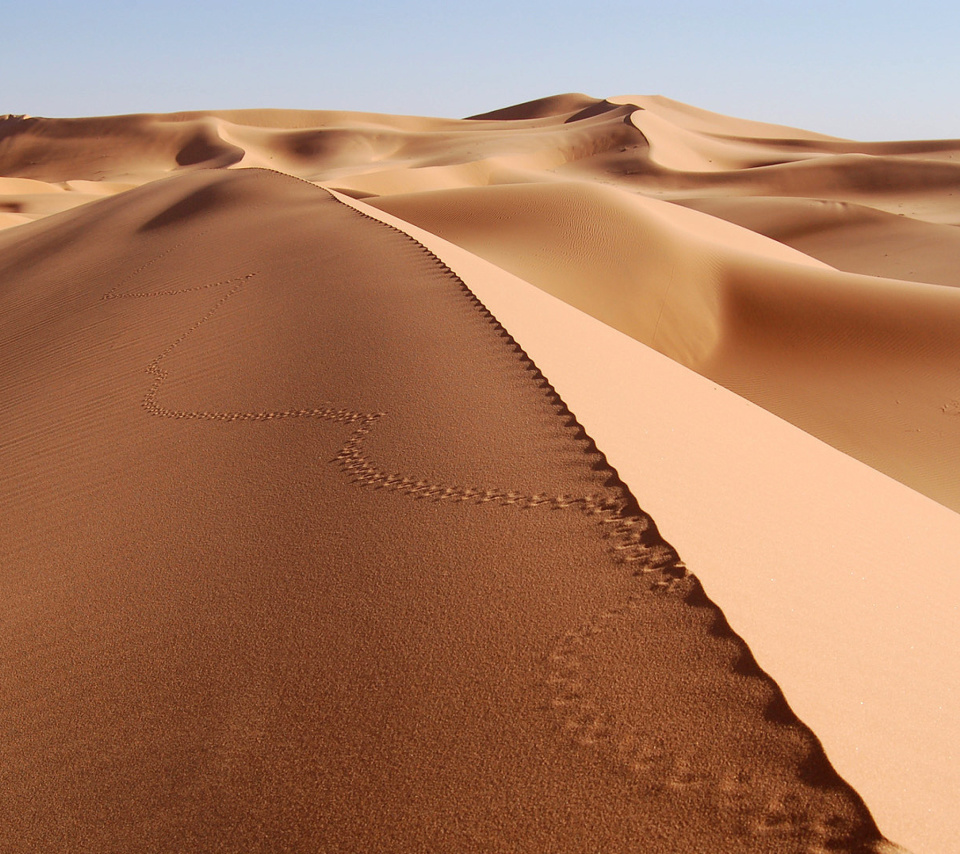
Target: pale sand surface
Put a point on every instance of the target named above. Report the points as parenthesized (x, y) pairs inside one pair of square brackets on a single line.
[(824, 564), (811, 275)]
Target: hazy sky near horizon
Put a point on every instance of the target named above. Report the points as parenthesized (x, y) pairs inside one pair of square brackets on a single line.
[(866, 70)]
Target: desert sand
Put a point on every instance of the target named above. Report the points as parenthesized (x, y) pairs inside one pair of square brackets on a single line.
[(579, 476)]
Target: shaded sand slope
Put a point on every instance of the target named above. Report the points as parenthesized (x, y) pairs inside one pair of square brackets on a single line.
[(869, 365), (842, 579), (301, 552)]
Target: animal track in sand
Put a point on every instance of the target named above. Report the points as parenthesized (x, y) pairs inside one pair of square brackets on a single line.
[(633, 540), (753, 804)]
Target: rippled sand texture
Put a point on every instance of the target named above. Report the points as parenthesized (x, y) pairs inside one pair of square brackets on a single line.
[(301, 550)]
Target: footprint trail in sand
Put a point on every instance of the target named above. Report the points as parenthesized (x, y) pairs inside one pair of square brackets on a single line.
[(406, 653)]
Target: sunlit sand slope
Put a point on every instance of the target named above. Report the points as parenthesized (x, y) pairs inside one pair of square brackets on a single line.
[(805, 547)]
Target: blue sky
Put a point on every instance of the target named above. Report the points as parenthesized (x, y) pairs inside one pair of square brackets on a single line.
[(880, 70)]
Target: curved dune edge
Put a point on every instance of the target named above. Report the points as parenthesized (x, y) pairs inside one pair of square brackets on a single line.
[(813, 556), (863, 363)]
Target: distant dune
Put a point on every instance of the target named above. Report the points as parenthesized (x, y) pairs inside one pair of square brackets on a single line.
[(387, 483)]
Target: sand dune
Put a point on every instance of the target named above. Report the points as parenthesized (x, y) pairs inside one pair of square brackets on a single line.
[(293, 527), (579, 179), (805, 546), (850, 237), (243, 662)]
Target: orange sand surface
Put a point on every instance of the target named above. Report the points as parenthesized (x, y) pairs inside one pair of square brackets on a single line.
[(307, 543)]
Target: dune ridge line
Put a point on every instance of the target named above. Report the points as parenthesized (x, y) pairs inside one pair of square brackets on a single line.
[(632, 535), (631, 523), (586, 721)]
